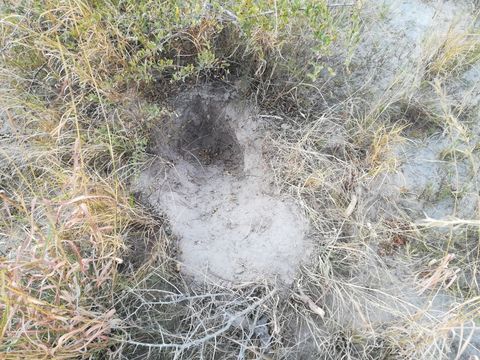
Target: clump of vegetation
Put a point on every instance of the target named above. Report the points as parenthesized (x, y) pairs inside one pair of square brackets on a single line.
[(82, 85), (86, 271)]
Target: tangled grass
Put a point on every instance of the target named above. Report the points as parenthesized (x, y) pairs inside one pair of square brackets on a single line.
[(88, 272), (82, 85)]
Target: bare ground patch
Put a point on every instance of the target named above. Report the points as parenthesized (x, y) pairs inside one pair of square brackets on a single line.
[(213, 183)]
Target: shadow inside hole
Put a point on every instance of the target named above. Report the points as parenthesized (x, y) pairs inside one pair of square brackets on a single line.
[(207, 138)]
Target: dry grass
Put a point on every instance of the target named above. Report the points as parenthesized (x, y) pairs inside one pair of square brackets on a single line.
[(455, 50), (336, 164), (89, 272), (82, 86)]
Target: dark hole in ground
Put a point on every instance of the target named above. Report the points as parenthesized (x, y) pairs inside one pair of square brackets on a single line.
[(207, 138)]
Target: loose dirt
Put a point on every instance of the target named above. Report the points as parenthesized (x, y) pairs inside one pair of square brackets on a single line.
[(213, 183)]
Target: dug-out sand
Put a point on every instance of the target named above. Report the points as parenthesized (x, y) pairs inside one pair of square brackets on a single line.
[(212, 181)]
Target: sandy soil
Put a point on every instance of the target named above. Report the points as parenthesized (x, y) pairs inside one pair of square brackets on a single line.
[(436, 175), (214, 185)]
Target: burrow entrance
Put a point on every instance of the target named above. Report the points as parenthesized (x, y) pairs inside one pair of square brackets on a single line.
[(206, 136), (216, 191)]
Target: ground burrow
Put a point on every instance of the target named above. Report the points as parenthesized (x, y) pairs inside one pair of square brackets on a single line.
[(216, 191), (207, 137)]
